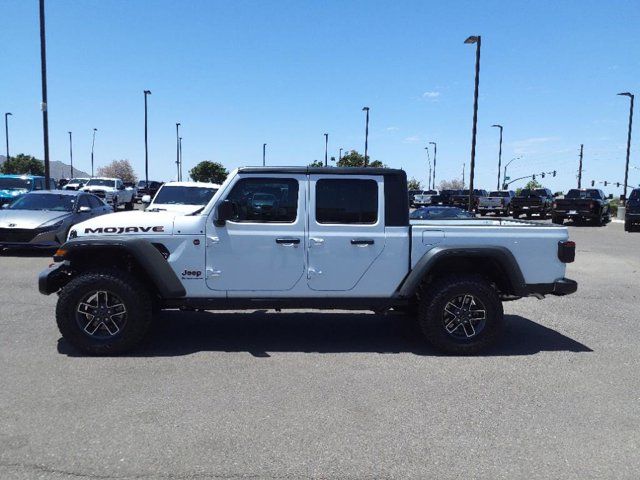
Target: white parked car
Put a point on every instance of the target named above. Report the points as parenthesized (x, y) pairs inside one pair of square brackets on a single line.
[(112, 191), (181, 197), (303, 237)]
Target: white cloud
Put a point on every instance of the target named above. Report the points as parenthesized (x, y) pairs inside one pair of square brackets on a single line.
[(529, 145), (430, 95), (412, 139), (392, 129)]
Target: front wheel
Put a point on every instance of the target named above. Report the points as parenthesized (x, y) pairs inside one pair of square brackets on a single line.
[(104, 312), (461, 314)]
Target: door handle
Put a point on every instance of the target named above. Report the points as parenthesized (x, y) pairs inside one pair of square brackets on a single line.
[(361, 243), (316, 241), (287, 241)]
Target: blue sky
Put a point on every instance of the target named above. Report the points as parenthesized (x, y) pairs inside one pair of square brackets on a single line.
[(237, 74)]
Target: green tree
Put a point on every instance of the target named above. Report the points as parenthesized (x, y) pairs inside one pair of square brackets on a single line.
[(23, 164), (533, 184), (414, 184), (121, 169), (455, 184), (316, 163), (354, 159), (208, 171)]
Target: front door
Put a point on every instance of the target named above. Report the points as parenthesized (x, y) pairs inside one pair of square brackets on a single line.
[(346, 229), (263, 247)]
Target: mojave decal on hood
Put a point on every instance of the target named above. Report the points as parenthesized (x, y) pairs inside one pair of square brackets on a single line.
[(126, 223)]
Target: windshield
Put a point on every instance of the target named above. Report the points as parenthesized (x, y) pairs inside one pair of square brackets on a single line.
[(499, 194), (440, 213), (45, 201), (176, 195), (574, 193), (8, 183), (101, 182)]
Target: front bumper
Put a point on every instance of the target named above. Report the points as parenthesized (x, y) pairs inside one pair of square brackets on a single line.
[(562, 286), (53, 278), (632, 217), (576, 214)]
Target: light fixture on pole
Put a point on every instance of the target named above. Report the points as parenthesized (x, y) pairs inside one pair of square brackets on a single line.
[(6, 130), (366, 137), (435, 160), (499, 155), (477, 39), (93, 142), (626, 168), (146, 144)]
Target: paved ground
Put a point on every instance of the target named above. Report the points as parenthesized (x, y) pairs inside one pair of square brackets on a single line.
[(339, 395)]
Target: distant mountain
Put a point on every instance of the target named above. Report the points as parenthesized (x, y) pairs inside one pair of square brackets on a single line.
[(58, 169)]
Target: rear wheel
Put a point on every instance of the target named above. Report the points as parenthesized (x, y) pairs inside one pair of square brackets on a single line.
[(104, 312), (461, 314), (515, 215)]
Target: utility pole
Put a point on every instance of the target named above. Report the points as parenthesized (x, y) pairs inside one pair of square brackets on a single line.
[(146, 144), (580, 168), (477, 39), (45, 113), (71, 154), (93, 142), (464, 165), (180, 155), (340, 154), (264, 154), (429, 161), (499, 154), (326, 146), (626, 169), (435, 160), (178, 150), (366, 137), (6, 130)]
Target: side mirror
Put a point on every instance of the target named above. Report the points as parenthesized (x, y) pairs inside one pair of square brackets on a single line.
[(6, 205), (226, 211), (84, 209), (146, 199)]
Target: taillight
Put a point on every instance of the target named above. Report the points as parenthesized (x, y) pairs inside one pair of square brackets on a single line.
[(554, 205), (593, 205), (566, 251)]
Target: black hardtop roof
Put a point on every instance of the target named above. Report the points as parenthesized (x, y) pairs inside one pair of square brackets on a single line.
[(326, 170)]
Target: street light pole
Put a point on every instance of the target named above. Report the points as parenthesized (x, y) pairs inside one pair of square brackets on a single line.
[(429, 162), (626, 168), (178, 150), (326, 147), (435, 160), (71, 154), (146, 144), (93, 142), (504, 184), (478, 41), (499, 155), (264, 154), (45, 113), (580, 168), (180, 155), (366, 137), (6, 130), (340, 154)]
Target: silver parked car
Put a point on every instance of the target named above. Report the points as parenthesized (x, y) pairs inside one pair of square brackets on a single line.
[(43, 219)]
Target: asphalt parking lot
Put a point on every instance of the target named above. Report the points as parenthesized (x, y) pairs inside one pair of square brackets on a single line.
[(334, 395)]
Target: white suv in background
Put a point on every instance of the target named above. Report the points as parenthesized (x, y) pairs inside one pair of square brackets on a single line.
[(181, 197), (112, 191)]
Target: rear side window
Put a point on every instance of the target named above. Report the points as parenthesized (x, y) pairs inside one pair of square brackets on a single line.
[(265, 200), (346, 201)]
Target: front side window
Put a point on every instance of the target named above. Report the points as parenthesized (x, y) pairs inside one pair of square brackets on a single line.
[(265, 200), (347, 201)]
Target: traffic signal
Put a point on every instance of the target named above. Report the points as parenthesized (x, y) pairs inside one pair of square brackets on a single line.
[(542, 174), (605, 183), (593, 183), (618, 184), (534, 177), (554, 173)]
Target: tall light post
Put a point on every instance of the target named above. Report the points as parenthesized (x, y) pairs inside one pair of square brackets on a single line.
[(580, 167), (626, 168), (326, 147), (264, 154), (499, 155), (93, 142), (71, 153), (477, 39), (366, 137), (435, 159), (6, 130), (45, 113), (178, 150), (146, 144), (428, 161), (504, 177), (180, 156), (340, 154)]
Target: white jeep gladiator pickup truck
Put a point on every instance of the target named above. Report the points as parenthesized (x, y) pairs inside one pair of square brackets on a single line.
[(297, 238), (112, 191)]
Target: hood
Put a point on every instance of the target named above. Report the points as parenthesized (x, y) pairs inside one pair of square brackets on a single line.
[(29, 218), (12, 193), (96, 188), (127, 223), (171, 208)]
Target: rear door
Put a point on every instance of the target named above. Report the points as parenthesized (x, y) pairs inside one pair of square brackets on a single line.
[(346, 232)]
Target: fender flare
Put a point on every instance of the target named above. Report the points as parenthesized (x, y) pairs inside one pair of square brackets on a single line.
[(143, 251), (429, 260)]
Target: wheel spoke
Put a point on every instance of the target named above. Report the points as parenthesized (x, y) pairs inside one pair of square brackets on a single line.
[(111, 326), (478, 315), (469, 331), (92, 325), (103, 299), (452, 326)]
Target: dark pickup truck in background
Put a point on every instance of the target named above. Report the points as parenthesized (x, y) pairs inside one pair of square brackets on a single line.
[(144, 190), (445, 197), (532, 202), (462, 199), (586, 204), (632, 215)]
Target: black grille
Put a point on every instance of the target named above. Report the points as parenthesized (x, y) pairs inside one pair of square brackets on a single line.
[(17, 235)]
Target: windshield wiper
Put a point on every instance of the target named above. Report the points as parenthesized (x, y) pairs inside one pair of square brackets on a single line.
[(197, 211)]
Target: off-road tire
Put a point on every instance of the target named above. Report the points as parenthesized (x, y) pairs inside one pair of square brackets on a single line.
[(431, 317), (130, 291)]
